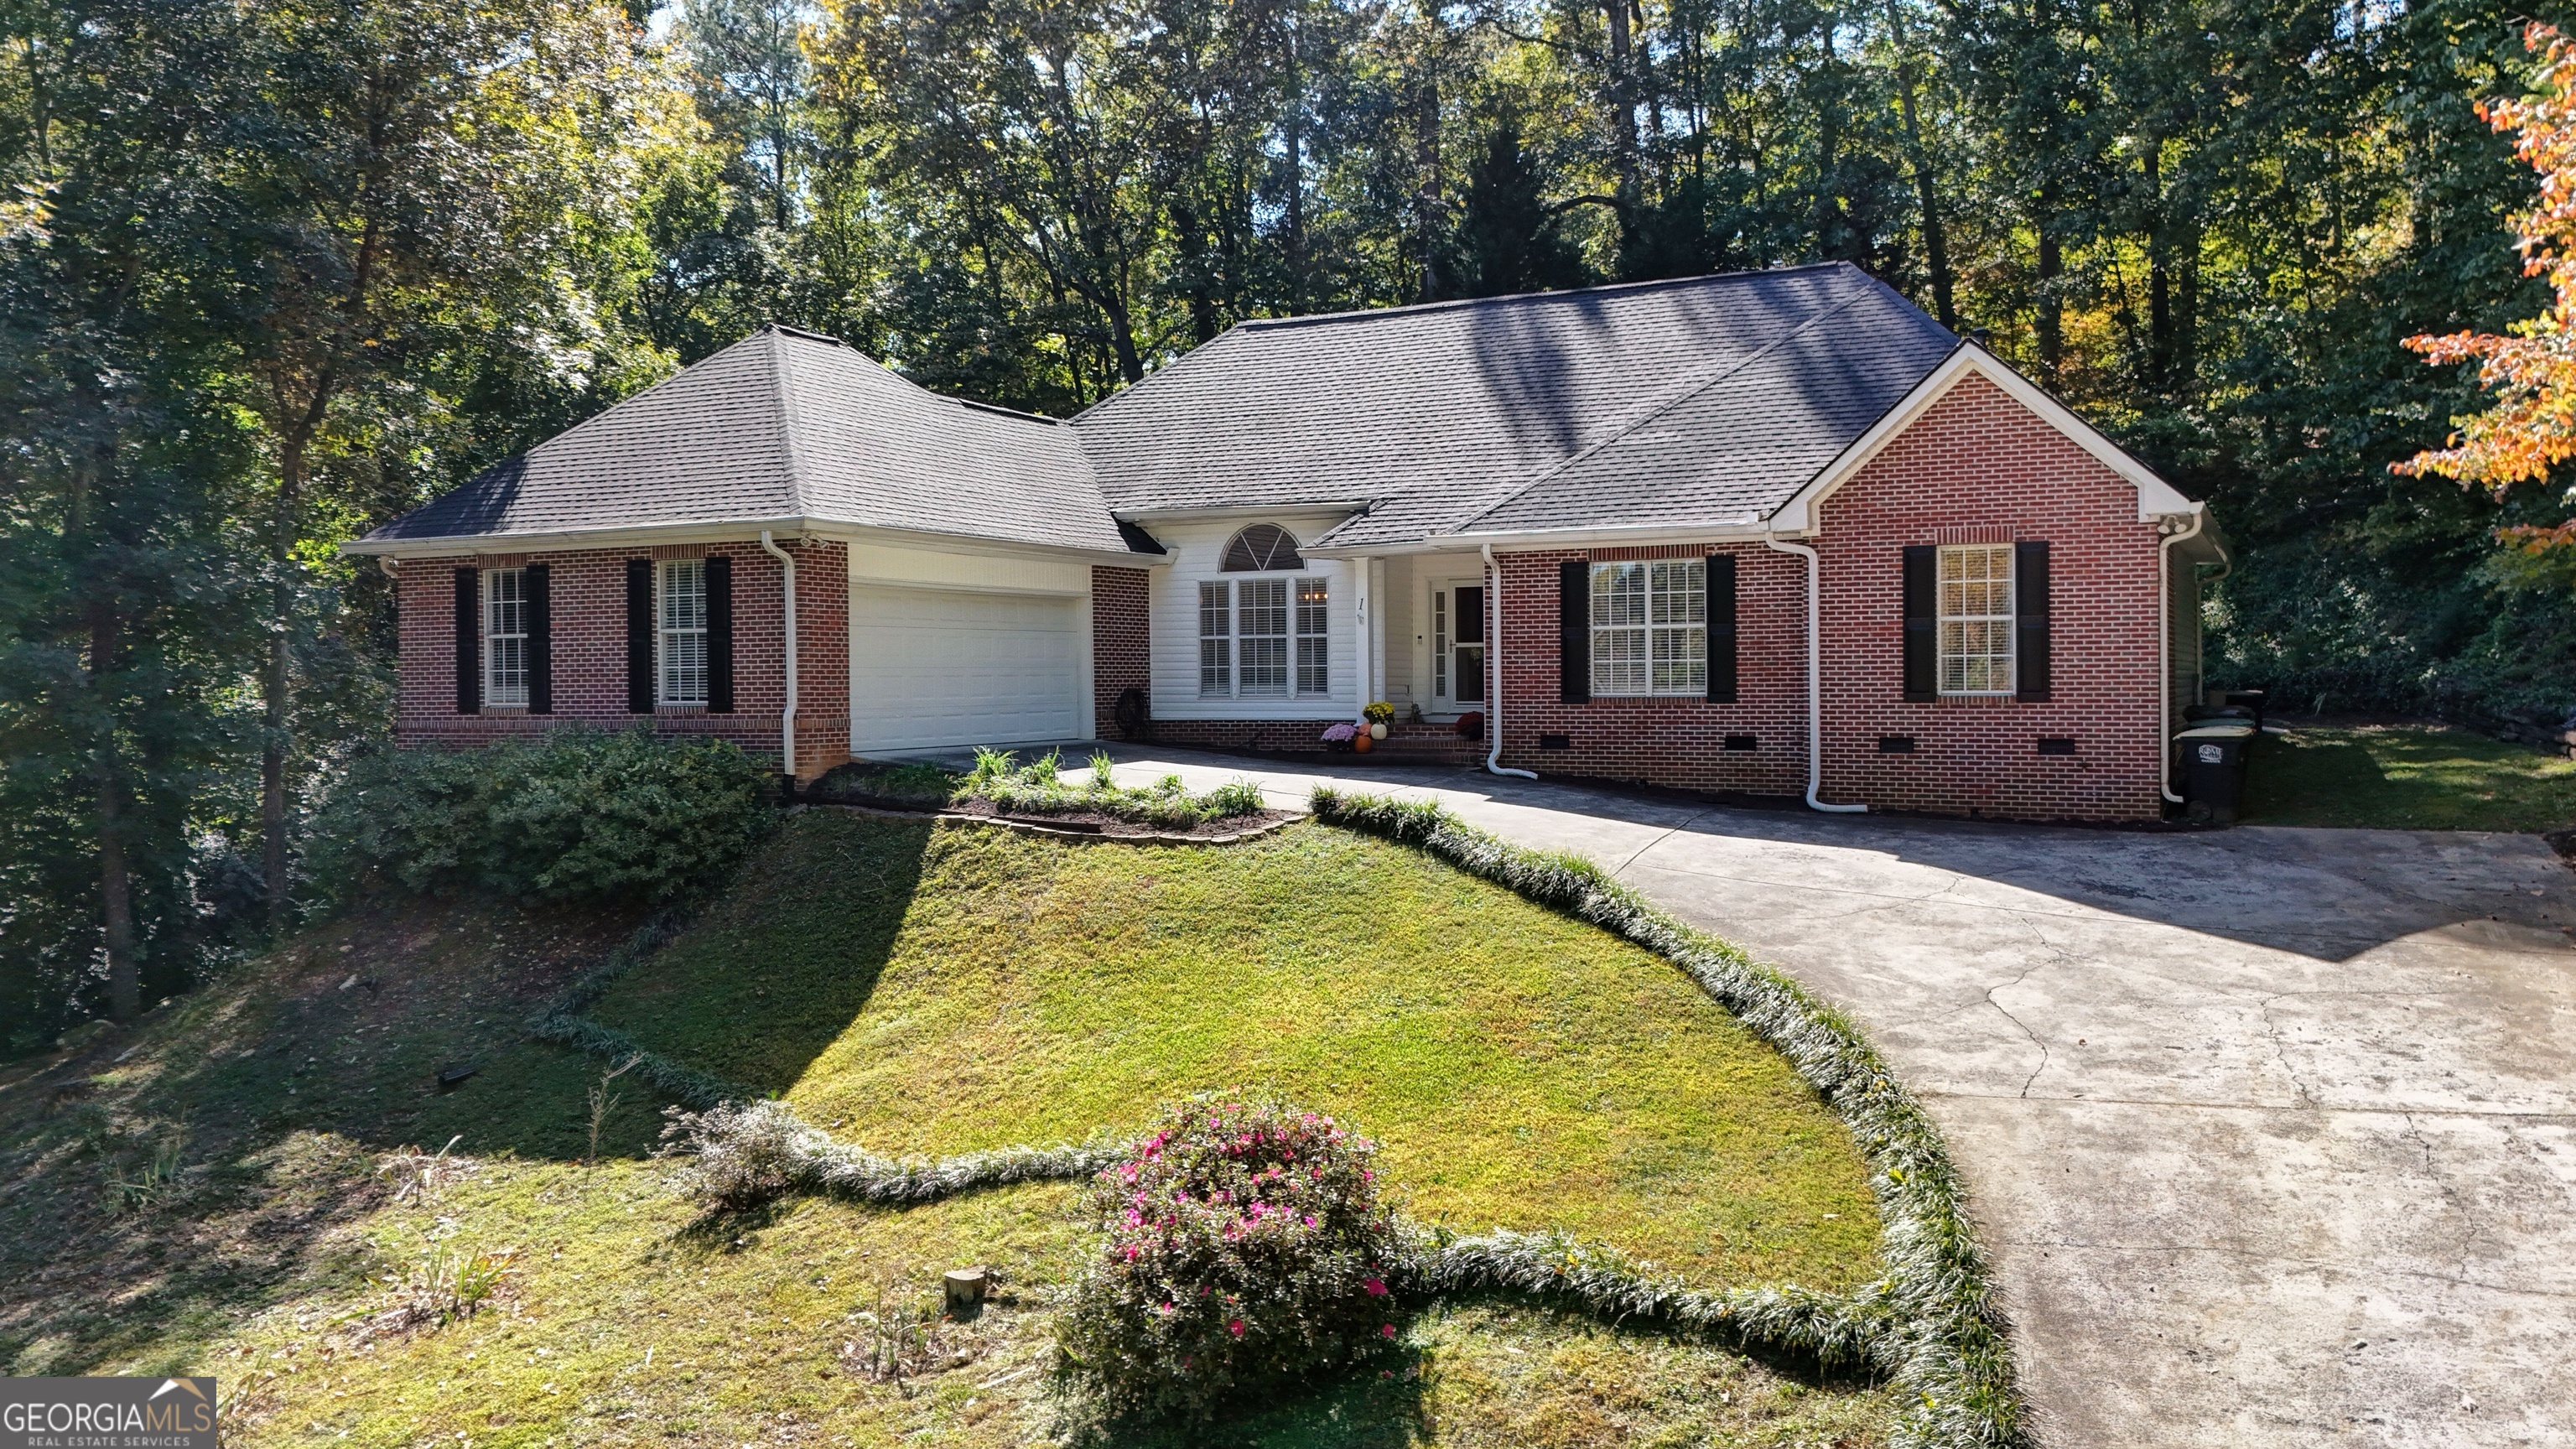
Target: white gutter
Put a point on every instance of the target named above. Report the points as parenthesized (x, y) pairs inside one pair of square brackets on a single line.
[(650, 534), (1815, 679), (787, 716), (2164, 653), (1494, 662)]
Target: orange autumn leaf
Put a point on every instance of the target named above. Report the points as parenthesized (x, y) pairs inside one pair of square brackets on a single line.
[(2532, 370)]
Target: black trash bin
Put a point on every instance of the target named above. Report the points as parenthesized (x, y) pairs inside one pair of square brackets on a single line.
[(2213, 766), (2251, 699)]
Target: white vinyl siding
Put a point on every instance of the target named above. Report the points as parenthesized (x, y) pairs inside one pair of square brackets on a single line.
[(505, 638), (1194, 658), (1976, 618), (680, 634), (1650, 627)]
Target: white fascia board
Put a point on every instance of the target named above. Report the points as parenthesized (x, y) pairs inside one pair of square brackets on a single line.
[(1732, 530), (1231, 512), (2156, 497), (648, 535)]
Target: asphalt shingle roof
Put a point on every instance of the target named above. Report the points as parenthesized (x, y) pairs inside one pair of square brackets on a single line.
[(1701, 401), (1524, 412), (787, 425)]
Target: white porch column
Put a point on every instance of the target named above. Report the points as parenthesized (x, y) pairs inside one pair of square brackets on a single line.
[(1363, 659)]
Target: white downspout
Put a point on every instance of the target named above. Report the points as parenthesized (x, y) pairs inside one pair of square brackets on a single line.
[(1815, 678), (1494, 664), (2164, 653), (786, 716)]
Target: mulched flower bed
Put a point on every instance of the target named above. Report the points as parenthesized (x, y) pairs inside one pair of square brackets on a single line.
[(1093, 822)]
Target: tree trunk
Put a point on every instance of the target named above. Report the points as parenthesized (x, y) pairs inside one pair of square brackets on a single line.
[(1426, 164), (277, 679), (2160, 321), (2052, 336), (1623, 103), (1936, 245), (115, 885)]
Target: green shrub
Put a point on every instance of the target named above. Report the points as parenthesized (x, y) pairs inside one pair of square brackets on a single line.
[(1042, 788), (575, 816), (1243, 1246)]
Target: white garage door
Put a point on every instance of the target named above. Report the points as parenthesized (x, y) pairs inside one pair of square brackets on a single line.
[(931, 668)]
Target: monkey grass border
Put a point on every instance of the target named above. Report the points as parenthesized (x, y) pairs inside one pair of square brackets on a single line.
[(1930, 1322), (561, 1020)]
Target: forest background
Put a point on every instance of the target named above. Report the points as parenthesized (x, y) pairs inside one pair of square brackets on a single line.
[(274, 272)]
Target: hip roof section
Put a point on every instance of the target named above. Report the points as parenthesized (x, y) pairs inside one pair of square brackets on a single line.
[(788, 425)]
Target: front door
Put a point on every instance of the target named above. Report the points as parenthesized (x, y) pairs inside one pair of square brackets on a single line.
[(1457, 647)]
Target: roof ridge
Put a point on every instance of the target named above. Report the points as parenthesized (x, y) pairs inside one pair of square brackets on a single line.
[(1456, 304), (1667, 403), (786, 420)]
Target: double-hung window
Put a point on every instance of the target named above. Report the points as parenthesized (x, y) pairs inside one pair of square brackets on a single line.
[(1650, 627), (1263, 637), (1976, 618), (680, 637), (1312, 659), (505, 638)]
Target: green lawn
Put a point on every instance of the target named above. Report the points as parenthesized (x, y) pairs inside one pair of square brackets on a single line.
[(932, 989), (2407, 777)]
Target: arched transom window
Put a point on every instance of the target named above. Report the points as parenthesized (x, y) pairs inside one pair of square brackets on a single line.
[(1263, 548)]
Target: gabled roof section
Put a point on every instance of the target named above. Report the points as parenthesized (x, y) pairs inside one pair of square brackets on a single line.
[(787, 425), (1439, 413)]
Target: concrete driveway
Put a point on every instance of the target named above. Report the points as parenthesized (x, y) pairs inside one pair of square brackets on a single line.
[(2272, 1132)]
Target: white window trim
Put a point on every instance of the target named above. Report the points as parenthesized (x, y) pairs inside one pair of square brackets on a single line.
[(1942, 618), (663, 593), (1646, 630), (1232, 590), (496, 695)]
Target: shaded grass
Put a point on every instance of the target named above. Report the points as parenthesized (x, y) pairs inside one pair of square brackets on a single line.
[(2406, 777), (1522, 1070)]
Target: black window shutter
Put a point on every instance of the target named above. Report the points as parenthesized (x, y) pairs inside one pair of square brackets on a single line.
[(639, 636), (719, 634), (469, 641), (1574, 630), (541, 640), (2030, 622), (1922, 636), (1721, 628)]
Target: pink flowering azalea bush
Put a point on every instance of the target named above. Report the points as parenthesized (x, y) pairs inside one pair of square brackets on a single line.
[(1244, 1246)]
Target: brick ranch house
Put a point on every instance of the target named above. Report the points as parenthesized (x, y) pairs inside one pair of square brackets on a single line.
[(1777, 533)]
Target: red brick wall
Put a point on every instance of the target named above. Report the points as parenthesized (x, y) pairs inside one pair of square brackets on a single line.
[(589, 632), (1663, 739), (1121, 641), (1976, 467)]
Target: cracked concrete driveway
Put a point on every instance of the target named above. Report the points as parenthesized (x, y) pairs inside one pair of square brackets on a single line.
[(2272, 1132)]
